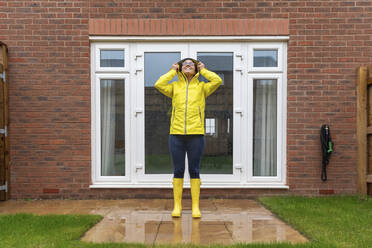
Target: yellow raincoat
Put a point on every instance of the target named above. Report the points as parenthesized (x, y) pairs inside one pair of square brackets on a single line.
[(188, 99)]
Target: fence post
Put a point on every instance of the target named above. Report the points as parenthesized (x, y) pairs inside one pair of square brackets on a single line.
[(362, 129), (369, 131)]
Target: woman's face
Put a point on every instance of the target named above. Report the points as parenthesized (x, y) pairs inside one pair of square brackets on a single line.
[(188, 67)]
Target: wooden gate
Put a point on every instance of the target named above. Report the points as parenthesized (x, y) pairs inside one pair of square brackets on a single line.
[(364, 130), (4, 139)]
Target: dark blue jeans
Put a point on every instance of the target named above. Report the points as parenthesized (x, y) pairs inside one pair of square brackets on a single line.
[(193, 145)]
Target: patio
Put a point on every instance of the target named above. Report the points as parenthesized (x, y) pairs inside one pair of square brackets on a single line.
[(224, 221)]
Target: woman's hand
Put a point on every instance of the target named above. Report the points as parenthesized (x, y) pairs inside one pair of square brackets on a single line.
[(175, 66), (200, 66)]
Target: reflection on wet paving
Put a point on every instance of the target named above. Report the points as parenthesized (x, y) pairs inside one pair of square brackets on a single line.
[(159, 228), (149, 221)]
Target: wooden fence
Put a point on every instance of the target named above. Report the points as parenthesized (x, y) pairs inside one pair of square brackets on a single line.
[(364, 130), (4, 139)]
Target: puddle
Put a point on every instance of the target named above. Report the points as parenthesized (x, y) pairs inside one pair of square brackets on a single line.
[(158, 227)]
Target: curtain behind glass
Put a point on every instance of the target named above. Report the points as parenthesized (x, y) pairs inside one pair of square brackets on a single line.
[(264, 127), (112, 128)]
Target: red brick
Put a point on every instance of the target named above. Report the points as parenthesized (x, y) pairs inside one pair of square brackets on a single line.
[(326, 191), (50, 191), (174, 27)]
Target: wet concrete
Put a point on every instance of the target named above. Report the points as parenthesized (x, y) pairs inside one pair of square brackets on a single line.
[(150, 222)]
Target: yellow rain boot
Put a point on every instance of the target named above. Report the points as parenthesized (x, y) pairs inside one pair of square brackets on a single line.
[(195, 193), (177, 196)]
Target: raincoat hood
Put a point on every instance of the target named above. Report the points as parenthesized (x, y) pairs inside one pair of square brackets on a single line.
[(193, 60)]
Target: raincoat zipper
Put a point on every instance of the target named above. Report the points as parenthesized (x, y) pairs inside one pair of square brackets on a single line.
[(187, 90), (200, 116)]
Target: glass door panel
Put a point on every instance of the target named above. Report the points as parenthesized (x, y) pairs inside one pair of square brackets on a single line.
[(222, 158), (153, 161), (265, 137), (264, 127), (111, 128), (158, 109), (218, 153)]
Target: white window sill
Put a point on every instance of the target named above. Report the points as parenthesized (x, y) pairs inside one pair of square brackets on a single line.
[(186, 185)]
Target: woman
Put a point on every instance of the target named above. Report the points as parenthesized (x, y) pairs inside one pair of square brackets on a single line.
[(187, 124)]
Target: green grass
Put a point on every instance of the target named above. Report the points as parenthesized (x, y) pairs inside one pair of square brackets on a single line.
[(340, 221), (162, 164), (216, 164), (27, 230)]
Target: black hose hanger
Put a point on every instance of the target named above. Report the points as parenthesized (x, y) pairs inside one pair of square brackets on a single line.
[(327, 148)]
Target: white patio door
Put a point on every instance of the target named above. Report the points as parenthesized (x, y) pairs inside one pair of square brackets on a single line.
[(225, 118), (152, 118), (222, 161)]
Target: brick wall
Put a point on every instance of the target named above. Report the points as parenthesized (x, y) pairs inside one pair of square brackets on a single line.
[(49, 94)]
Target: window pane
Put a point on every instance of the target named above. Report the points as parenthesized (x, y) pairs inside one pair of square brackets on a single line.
[(264, 127), (265, 58), (210, 127), (112, 128), (158, 110), (157, 64), (218, 153), (112, 58)]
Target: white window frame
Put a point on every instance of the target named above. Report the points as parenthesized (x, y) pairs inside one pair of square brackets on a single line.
[(111, 46), (96, 131), (281, 143), (279, 46), (248, 74), (208, 127)]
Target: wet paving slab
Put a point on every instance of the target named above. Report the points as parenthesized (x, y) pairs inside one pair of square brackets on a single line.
[(149, 221)]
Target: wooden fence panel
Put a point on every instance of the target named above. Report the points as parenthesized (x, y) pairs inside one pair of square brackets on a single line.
[(2, 138), (364, 130), (369, 131), (4, 122)]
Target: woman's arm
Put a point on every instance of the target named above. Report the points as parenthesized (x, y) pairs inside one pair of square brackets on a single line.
[(162, 83), (215, 81)]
